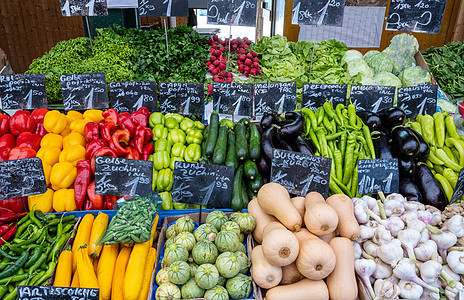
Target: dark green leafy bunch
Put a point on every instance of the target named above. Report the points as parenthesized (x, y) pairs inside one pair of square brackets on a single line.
[(447, 66)]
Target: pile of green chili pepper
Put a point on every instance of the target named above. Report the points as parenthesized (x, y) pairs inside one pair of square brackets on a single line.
[(341, 135), (30, 258)]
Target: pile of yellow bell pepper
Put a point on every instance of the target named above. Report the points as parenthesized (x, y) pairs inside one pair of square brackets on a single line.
[(60, 150)]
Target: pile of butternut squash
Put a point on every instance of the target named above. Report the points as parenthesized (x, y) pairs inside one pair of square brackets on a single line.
[(306, 249), (121, 272)]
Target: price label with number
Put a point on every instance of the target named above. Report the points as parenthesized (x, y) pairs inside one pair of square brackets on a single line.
[(418, 100), (378, 175), (123, 177), (301, 173), (84, 91), (71, 8), (372, 98), (23, 91), (234, 99), (182, 97), (315, 95), (318, 12), (274, 97), (230, 12), (128, 96), (163, 8), (203, 184)]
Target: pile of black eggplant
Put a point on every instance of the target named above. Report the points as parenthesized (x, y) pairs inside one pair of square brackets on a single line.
[(280, 132), (393, 140)]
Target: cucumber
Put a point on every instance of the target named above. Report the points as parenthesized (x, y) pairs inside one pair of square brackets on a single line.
[(231, 159), (255, 143), (237, 199), (245, 198), (250, 169), (241, 142), (245, 121), (256, 183), (213, 134), (219, 155)]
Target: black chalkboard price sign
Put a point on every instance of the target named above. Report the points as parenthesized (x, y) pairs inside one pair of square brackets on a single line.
[(182, 97), (318, 12), (372, 97), (71, 8), (458, 192), (378, 175), (84, 91), (418, 100), (415, 15), (123, 177), (203, 184), (274, 97), (128, 96), (315, 95), (23, 91), (301, 173), (230, 12), (28, 292), (233, 99), (163, 8), (21, 178)]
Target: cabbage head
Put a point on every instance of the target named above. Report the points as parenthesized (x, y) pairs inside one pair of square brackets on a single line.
[(350, 55), (368, 54), (403, 44), (359, 66), (379, 62), (402, 62), (387, 79), (412, 76)]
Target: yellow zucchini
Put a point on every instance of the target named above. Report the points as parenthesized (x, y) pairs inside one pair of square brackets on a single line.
[(105, 269), (117, 291), (75, 281), (147, 274), (64, 269), (133, 279), (87, 277), (98, 230), (82, 236)]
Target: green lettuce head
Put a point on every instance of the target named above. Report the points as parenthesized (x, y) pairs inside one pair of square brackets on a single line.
[(412, 76), (379, 62), (359, 66)]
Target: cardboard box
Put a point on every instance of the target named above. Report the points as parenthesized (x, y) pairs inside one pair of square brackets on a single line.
[(196, 217)]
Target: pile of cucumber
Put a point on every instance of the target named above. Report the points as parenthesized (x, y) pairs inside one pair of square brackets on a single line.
[(239, 146)]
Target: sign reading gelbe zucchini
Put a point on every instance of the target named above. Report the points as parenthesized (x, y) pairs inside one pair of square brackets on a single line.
[(23, 91), (185, 98), (84, 91), (128, 96), (231, 12), (274, 97), (28, 292)]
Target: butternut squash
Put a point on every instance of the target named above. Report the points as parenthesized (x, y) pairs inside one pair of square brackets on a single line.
[(275, 200), (105, 269), (327, 237), (347, 226), (117, 291), (133, 279), (320, 218), (148, 272), (261, 218), (302, 290), (299, 203), (75, 280), (87, 277), (98, 230), (82, 236), (64, 269), (290, 274), (280, 246), (342, 281), (316, 259), (263, 273)]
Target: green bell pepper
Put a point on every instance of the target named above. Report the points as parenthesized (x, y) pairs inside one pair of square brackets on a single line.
[(171, 123), (155, 177), (178, 117), (163, 145), (173, 161), (186, 124), (178, 150), (178, 205), (199, 125), (192, 153), (155, 119), (177, 136), (161, 160), (164, 180), (194, 136), (167, 200), (159, 132)]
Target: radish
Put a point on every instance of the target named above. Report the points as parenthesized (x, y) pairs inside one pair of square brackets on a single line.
[(248, 62), (222, 66), (241, 68), (217, 53), (242, 57), (215, 37), (208, 63), (255, 59), (242, 51), (216, 63), (254, 53), (211, 50), (215, 77), (255, 65), (222, 74), (211, 67), (248, 42), (229, 79), (247, 70), (212, 58), (249, 56), (253, 71)]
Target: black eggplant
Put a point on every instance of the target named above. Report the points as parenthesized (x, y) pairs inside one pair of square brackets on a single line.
[(429, 187), (424, 149), (264, 167), (391, 117), (372, 120), (382, 150), (410, 190), (404, 142), (267, 142), (281, 142), (300, 145), (294, 128), (267, 120), (406, 166)]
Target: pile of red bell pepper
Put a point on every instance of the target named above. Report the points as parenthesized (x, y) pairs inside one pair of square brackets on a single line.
[(121, 135)]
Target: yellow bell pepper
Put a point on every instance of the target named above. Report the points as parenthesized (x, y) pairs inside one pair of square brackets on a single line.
[(63, 175), (74, 138), (66, 132), (47, 170), (49, 155), (52, 139), (73, 115), (63, 200), (72, 154), (94, 115), (41, 202), (55, 121), (78, 125)]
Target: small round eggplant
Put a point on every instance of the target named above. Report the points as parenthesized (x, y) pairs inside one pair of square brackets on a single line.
[(404, 142), (429, 187), (424, 149), (391, 117), (382, 150), (410, 190), (294, 128), (267, 120), (406, 167)]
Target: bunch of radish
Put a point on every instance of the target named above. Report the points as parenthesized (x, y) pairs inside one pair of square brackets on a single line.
[(248, 64)]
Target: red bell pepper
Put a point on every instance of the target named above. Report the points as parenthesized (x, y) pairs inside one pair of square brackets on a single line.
[(94, 146), (140, 117), (143, 135), (133, 154), (126, 123), (107, 130), (91, 131), (111, 115), (84, 174), (4, 153), (21, 152), (118, 137), (11, 232), (15, 204), (104, 151), (38, 115), (110, 200), (147, 151), (4, 124), (29, 140), (97, 200), (8, 140), (21, 121)]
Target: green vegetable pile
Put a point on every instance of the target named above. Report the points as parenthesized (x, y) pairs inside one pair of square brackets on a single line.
[(447, 65)]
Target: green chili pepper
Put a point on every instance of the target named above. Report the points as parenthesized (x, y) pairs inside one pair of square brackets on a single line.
[(459, 145), (6, 255), (343, 139), (417, 127), (429, 164), (34, 219), (363, 142), (433, 158), (328, 108), (320, 116), (439, 169), (440, 132), (40, 216), (14, 278), (428, 130), (352, 115), (313, 138), (445, 185), (334, 136), (37, 277), (341, 186), (312, 117), (368, 137), (16, 266), (446, 160), (354, 182), (451, 176), (451, 127), (328, 125), (451, 155), (35, 255), (23, 227), (331, 146), (350, 160), (338, 111), (338, 164), (323, 142)]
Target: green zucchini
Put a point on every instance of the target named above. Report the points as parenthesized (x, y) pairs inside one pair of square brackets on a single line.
[(245, 121), (250, 169), (237, 198), (241, 142), (219, 155), (228, 122), (231, 158), (256, 183), (255, 143), (245, 198), (213, 134)]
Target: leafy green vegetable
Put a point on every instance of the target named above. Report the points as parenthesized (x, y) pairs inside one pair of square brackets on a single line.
[(351, 54), (412, 76), (379, 62), (359, 66)]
